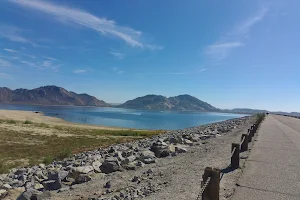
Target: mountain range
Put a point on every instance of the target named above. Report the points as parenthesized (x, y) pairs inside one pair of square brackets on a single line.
[(53, 95), (48, 95)]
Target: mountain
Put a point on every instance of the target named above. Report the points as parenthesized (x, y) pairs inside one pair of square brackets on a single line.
[(48, 95), (158, 102)]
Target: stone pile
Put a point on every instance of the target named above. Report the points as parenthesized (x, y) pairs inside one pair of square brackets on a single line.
[(62, 175)]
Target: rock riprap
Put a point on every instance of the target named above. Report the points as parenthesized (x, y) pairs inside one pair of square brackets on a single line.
[(63, 175)]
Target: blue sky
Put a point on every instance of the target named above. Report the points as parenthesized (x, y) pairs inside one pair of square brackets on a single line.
[(228, 53)]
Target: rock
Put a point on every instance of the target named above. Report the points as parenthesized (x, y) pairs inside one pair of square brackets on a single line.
[(107, 184), (38, 186), (110, 165), (160, 150), (53, 182), (64, 189), (171, 148), (146, 154), (42, 166), (96, 165), (175, 140), (63, 174), (82, 178), (51, 185), (29, 195), (6, 186), (129, 159), (130, 166), (83, 169), (141, 164), (188, 142), (180, 149), (135, 179), (3, 193)]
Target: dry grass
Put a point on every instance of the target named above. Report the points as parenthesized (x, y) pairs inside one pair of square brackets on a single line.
[(21, 145)]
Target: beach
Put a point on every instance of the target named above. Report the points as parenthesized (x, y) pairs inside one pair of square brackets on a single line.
[(38, 117)]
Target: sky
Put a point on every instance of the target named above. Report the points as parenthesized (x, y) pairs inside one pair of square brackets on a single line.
[(231, 54)]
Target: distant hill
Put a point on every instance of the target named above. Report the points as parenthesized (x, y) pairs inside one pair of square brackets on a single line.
[(178, 103), (48, 95), (244, 110)]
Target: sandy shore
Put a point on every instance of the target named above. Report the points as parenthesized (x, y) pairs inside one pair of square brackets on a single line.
[(20, 115)]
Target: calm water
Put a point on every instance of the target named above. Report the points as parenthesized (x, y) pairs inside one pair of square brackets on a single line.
[(129, 118)]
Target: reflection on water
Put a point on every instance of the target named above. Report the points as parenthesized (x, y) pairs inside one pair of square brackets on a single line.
[(128, 118)]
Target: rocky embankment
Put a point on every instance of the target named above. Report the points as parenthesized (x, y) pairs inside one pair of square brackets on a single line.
[(111, 165)]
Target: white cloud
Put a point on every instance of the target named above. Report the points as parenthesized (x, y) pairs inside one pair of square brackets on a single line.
[(117, 55), (5, 76), (79, 17), (235, 38), (50, 58), (79, 71), (222, 50), (244, 27), (10, 50), (202, 70)]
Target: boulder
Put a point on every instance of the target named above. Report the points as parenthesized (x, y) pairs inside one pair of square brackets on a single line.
[(96, 165), (82, 178), (188, 142), (6, 186), (127, 160), (180, 149), (83, 169), (3, 193), (110, 165)]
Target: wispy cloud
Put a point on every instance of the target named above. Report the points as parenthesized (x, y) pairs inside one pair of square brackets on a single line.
[(42, 65), (235, 38), (244, 27), (222, 50), (10, 50), (14, 34), (117, 55), (5, 76), (50, 58), (79, 71), (117, 70), (82, 18)]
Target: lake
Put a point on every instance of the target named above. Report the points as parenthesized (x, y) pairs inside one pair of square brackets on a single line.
[(127, 118)]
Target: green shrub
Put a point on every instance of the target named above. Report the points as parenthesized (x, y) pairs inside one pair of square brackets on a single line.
[(47, 160), (28, 122), (11, 121)]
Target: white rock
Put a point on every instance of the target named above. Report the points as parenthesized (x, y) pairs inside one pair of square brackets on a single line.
[(83, 169), (96, 165), (3, 193), (6, 187)]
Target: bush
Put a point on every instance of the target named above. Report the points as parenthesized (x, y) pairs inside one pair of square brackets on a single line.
[(64, 154), (260, 117), (47, 160), (11, 121), (28, 122)]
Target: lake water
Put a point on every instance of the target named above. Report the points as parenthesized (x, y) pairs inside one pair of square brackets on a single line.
[(129, 118)]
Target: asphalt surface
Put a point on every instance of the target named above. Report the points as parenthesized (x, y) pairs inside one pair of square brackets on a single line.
[(272, 171)]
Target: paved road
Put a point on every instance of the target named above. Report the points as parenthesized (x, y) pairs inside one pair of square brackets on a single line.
[(272, 170)]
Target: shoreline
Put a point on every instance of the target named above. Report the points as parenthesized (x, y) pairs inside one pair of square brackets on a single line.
[(21, 115)]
